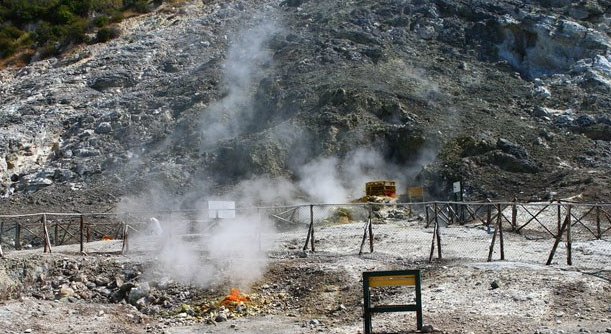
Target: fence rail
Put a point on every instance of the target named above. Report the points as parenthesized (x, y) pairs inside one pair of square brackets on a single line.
[(446, 230)]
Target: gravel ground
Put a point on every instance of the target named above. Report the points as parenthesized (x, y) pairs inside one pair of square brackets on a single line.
[(321, 291)]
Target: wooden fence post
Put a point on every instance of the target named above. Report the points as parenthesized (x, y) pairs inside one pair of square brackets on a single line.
[(365, 231), (426, 216), (491, 248), (43, 220), (569, 251), (47, 240), (18, 236), (433, 243), (438, 236), (559, 217), (489, 219), (598, 232), (125, 247), (1, 232), (312, 232), (370, 229), (558, 238), (310, 237), (499, 223), (82, 232), (55, 234), (514, 215)]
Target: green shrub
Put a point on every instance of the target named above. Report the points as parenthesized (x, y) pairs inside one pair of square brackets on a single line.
[(105, 6), (10, 31), (48, 50), (101, 21), (116, 17), (61, 23), (7, 47), (141, 6), (45, 33), (4, 13), (76, 32), (107, 33), (62, 15)]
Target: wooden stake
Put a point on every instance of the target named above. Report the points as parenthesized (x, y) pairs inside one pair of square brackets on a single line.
[(426, 215), (370, 236), (312, 224), (559, 220), (489, 219), (499, 223), (1, 232), (364, 238), (82, 233), (558, 238), (433, 243), (438, 236), (491, 249), (18, 236), (310, 230), (125, 247), (514, 215), (435, 233), (47, 241), (436, 214), (597, 224), (569, 250), (55, 236)]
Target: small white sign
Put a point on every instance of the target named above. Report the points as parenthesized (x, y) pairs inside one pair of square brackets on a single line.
[(456, 187), (221, 209)]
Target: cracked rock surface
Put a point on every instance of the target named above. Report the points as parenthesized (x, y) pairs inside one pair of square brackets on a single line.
[(455, 79)]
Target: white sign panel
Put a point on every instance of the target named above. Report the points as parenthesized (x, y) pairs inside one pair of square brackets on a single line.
[(221, 209), (456, 187)]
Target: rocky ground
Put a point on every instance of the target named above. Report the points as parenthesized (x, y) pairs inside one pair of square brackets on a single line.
[(511, 97), (305, 292)]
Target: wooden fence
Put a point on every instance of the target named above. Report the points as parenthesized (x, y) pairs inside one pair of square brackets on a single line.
[(587, 221), (550, 220)]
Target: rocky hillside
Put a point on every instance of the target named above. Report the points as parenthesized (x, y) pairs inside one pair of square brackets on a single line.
[(512, 97)]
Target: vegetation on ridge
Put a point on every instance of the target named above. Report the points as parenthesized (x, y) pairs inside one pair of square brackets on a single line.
[(44, 28)]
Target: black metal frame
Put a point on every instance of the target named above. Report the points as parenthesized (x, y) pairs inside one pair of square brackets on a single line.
[(368, 310)]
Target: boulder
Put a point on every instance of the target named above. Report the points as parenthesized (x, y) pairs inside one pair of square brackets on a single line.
[(139, 292), (221, 317), (584, 121), (511, 163), (86, 152), (514, 149), (65, 291), (103, 128), (110, 80), (101, 281), (63, 175), (541, 112)]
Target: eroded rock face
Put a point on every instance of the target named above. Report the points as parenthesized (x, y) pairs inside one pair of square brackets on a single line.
[(408, 78), (545, 45)]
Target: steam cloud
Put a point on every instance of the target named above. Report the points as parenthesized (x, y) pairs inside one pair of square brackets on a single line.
[(246, 60), (235, 250)]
